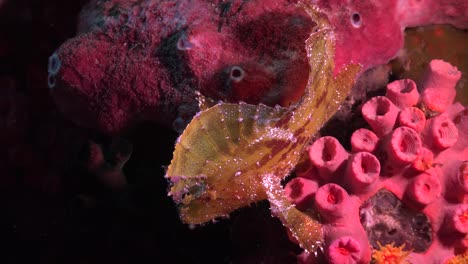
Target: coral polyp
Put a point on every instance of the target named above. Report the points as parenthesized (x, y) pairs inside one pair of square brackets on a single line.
[(403, 184), (389, 254), (459, 259)]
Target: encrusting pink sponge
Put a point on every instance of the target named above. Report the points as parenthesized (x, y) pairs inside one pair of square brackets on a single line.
[(418, 152), (136, 61)]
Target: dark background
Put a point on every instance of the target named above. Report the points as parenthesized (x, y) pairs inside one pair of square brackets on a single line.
[(52, 210)]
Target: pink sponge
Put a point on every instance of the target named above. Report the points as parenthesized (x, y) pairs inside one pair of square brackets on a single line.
[(144, 60), (405, 184), (141, 60), (371, 32)]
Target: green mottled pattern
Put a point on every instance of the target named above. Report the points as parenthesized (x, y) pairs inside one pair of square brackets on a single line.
[(223, 157)]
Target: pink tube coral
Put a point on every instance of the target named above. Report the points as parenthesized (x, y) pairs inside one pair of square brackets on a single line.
[(363, 169), (461, 121), (415, 202), (380, 113), (405, 146), (328, 155), (403, 93), (364, 140), (300, 191), (412, 117), (457, 180), (438, 85), (332, 202), (344, 250), (425, 188), (443, 132), (457, 219), (425, 161)]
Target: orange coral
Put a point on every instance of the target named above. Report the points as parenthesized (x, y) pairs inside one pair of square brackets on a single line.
[(390, 254), (459, 259)]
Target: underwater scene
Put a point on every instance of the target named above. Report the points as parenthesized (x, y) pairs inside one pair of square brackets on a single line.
[(234, 131)]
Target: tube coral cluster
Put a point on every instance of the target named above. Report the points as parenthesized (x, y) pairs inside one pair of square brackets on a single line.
[(412, 161)]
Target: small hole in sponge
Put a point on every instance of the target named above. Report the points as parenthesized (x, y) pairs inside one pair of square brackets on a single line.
[(237, 74), (356, 20)]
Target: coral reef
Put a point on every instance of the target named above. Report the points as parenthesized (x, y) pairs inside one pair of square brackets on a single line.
[(64, 195), (404, 181), (136, 61)]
